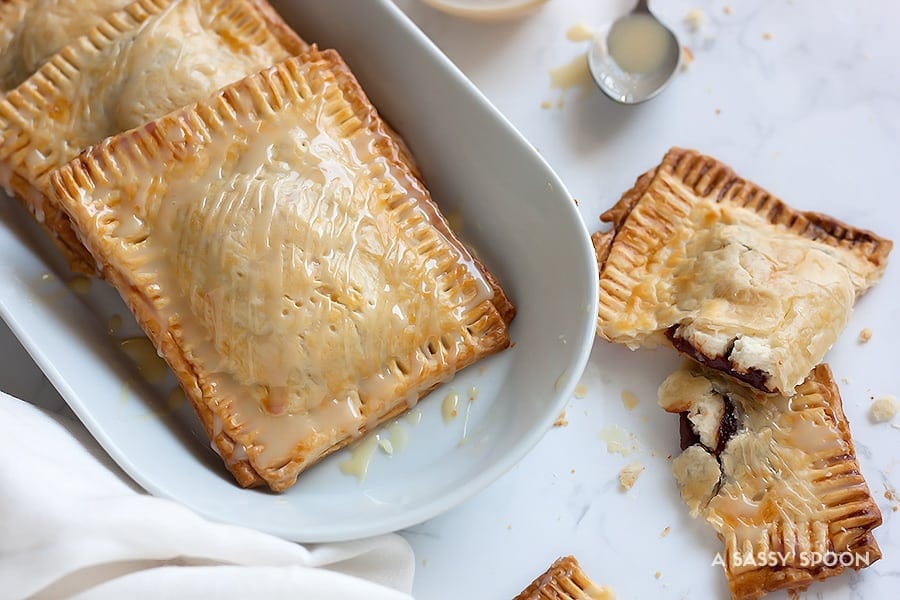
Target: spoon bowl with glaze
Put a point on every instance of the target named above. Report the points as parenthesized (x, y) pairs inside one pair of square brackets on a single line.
[(634, 59)]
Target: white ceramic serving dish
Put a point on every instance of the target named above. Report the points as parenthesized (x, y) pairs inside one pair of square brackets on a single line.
[(514, 211)]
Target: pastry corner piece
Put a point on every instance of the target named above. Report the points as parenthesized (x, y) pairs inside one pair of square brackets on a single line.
[(776, 477), (288, 266), (565, 580), (729, 275)]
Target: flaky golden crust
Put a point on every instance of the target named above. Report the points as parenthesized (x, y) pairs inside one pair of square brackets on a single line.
[(564, 580), (292, 42), (711, 264), (791, 504), (710, 178), (241, 22), (167, 144)]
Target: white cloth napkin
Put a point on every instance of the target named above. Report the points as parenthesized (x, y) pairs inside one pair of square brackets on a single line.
[(73, 525)]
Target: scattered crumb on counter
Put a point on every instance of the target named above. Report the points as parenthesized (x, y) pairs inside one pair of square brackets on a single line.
[(665, 531), (845, 380), (865, 335), (687, 58), (726, 10), (695, 19), (473, 393), (572, 471), (618, 441), (571, 75), (581, 391), (424, 562), (509, 526), (718, 111), (890, 494), (767, 36), (561, 420), (546, 104), (580, 32), (884, 409), (575, 200), (657, 575), (629, 475), (629, 400)]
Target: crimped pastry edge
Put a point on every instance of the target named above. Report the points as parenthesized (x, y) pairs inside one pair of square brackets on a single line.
[(489, 330)]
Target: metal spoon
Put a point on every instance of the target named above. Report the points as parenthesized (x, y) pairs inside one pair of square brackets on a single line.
[(635, 57)]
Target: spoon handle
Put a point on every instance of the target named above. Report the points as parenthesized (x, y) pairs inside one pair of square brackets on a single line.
[(642, 7)]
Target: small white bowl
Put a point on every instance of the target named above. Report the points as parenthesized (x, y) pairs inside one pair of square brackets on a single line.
[(487, 10)]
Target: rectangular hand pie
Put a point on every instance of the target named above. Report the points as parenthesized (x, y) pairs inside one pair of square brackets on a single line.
[(728, 274), (297, 278), (776, 476), (565, 580), (133, 66)]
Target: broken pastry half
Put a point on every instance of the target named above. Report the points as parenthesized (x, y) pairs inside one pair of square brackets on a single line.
[(776, 477), (135, 65), (297, 278), (565, 580), (728, 274)]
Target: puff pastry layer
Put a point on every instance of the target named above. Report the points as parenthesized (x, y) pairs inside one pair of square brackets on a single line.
[(776, 477), (565, 580), (728, 274), (135, 65), (285, 262)]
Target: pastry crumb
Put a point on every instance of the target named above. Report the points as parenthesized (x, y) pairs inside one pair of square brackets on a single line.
[(884, 409), (629, 475), (665, 531), (617, 440), (572, 471), (687, 58), (718, 111), (767, 36), (726, 10), (629, 400), (695, 19), (580, 391), (865, 335), (657, 575), (546, 105), (561, 420)]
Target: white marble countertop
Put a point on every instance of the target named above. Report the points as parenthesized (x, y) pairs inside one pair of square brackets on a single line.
[(802, 97)]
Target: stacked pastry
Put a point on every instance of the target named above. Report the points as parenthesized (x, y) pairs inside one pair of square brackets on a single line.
[(754, 293), (264, 225)]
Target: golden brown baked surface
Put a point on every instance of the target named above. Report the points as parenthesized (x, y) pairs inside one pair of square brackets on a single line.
[(776, 477), (565, 580), (135, 65), (289, 267), (728, 274)]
